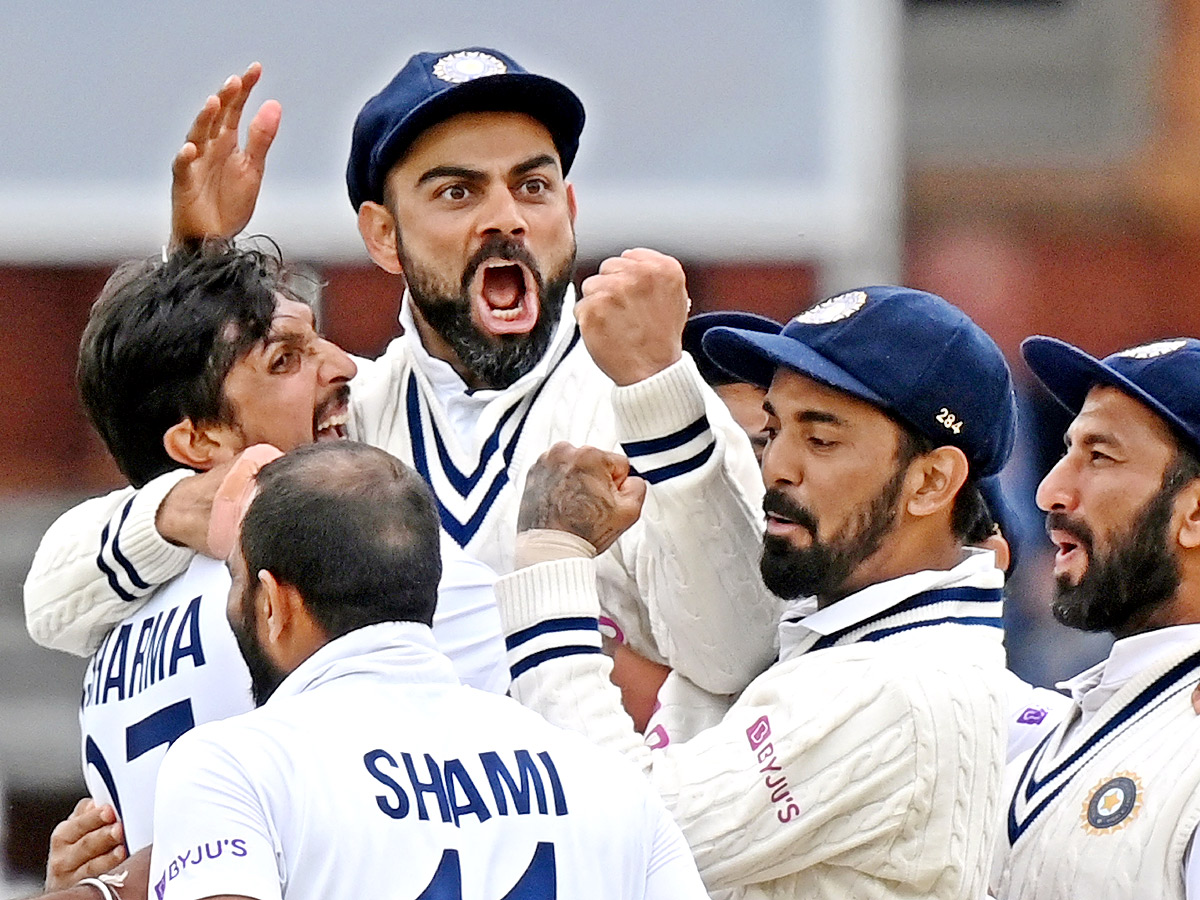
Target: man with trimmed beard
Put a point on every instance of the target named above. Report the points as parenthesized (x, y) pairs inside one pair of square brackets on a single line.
[(457, 173), (1107, 805), (867, 762), (190, 361)]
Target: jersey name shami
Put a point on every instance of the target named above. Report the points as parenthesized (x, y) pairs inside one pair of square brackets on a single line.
[(127, 664), (521, 787)]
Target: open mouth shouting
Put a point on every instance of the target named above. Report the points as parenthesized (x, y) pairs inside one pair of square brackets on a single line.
[(1073, 545), (786, 519), (330, 418), (504, 297)]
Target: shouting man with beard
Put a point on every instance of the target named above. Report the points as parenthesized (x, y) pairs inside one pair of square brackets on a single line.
[(1107, 805), (458, 174), (867, 761)]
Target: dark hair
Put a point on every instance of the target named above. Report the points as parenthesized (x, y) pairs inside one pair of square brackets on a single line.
[(160, 340), (353, 529), (1183, 468), (971, 521)]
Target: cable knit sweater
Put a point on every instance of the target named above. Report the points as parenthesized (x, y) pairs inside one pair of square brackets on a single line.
[(866, 763)]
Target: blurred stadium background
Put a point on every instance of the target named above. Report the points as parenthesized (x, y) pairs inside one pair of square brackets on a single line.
[(1035, 161)]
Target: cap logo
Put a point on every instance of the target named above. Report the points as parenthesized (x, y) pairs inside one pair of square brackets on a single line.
[(843, 306), (467, 65), (949, 421), (1150, 351)]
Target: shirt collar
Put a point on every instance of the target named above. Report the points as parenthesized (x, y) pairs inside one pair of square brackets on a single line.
[(401, 652), (1128, 657), (977, 568)]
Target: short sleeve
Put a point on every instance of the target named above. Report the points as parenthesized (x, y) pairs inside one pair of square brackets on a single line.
[(211, 832)]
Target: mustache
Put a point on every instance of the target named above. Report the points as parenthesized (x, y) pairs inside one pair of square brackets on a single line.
[(340, 397), (1060, 521), (777, 503), (499, 247)]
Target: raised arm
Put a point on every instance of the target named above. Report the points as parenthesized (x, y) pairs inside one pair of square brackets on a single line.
[(216, 181), (694, 555)]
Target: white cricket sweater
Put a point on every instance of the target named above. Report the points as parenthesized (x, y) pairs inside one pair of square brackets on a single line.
[(1107, 804), (866, 763)]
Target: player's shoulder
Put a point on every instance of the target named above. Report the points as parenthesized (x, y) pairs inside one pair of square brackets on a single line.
[(898, 674), (576, 756)]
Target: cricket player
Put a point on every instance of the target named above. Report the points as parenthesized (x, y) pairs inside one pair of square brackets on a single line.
[(1108, 803), (867, 761), (457, 172), (367, 768), (188, 362)]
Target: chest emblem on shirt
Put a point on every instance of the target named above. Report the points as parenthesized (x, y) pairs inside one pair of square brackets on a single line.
[(1112, 804)]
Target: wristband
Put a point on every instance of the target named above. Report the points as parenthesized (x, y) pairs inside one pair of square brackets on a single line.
[(108, 892), (538, 545)]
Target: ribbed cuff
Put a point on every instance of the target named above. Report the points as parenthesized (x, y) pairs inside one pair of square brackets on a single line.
[(549, 590), (153, 556), (662, 404)]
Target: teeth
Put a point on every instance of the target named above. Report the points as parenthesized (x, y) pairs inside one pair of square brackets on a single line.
[(507, 314), (333, 421)]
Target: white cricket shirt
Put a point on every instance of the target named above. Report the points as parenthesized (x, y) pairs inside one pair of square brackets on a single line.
[(371, 773), (172, 664)]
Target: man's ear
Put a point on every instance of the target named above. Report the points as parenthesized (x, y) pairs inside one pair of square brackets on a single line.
[(572, 205), (935, 479), (281, 604), (378, 230), (1188, 502), (199, 447)]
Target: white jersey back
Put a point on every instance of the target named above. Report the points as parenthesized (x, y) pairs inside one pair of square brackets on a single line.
[(168, 667), (370, 773), (175, 664)]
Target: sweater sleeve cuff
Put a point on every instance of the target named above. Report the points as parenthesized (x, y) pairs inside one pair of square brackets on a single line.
[(662, 424), (549, 611), (665, 403), (152, 557), (564, 588)]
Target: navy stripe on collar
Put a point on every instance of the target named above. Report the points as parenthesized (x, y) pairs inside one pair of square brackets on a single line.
[(990, 601), (463, 532)]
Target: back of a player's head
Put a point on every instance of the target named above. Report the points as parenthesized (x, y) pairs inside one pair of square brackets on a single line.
[(160, 340), (353, 529)]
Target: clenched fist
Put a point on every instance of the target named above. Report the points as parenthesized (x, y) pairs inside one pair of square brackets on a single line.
[(584, 491), (631, 314)]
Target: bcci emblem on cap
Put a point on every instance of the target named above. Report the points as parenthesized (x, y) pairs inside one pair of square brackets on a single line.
[(466, 65), (1113, 804)]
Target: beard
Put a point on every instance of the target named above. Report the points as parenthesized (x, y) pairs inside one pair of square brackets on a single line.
[(265, 676), (1122, 588), (496, 360), (823, 567)]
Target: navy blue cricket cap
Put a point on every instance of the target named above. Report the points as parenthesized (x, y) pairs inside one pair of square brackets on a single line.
[(695, 328), (906, 351), (431, 88), (1164, 375)]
